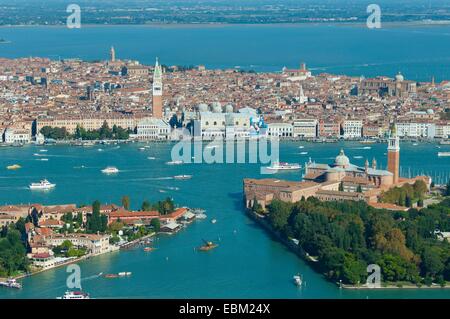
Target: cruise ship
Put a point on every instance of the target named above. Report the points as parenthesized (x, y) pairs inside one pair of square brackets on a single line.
[(284, 166), (43, 184), (110, 170)]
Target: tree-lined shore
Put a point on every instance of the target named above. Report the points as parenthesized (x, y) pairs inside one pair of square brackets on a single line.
[(341, 239)]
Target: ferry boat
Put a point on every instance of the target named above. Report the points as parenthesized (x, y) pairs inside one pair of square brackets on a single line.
[(298, 280), (444, 154), (110, 170), (174, 163), (74, 295), (11, 283), (43, 184), (284, 166), (13, 167), (207, 246), (182, 176)]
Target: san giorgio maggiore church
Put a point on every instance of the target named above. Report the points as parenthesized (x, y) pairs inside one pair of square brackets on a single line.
[(340, 180)]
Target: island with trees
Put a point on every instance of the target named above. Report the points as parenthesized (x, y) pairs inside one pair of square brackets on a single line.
[(16, 239), (340, 239)]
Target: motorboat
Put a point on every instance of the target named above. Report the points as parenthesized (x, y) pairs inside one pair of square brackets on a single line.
[(182, 177), (14, 167), (43, 184), (110, 170), (297, 280), (174, 162), (444, 154)]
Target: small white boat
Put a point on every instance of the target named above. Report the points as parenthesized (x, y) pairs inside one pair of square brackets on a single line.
[(182, 177), (303, 153), (444, 154), (74, 295), (43, 159), (11, 283), (43, 151), (100, 149), (357, 156), (200, 216), (151, 158), (301, 146), (174, 163), (142, 148), (213, 221), (284, 166), (42, 185), (297, 280), (367, 148), (110, 170)]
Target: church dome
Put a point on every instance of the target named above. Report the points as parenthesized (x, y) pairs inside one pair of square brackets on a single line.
[(342, 160), (399, 77)]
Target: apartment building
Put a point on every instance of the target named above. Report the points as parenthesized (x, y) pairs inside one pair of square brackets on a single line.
[(306, 128), (352, 128)]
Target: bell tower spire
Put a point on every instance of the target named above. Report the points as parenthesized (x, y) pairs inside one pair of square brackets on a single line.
[(394, 153)]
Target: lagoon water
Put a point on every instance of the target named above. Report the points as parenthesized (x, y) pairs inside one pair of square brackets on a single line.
[(247, 263), (419, 52)]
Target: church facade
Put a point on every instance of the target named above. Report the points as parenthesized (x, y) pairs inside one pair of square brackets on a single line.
[(340, 180)]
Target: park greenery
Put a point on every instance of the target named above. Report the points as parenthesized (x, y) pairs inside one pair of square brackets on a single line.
[(345, 237), (96, 222), (164, 207), (13, 258), (67, 249), (103, 133), (407, 195)]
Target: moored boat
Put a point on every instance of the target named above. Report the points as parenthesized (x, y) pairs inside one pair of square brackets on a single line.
[(11, 283)]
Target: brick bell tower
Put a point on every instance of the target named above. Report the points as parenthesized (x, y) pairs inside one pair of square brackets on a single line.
[(394, 153), (157, 91)]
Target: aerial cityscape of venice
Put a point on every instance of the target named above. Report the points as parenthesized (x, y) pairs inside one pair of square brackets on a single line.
[(206, 149)]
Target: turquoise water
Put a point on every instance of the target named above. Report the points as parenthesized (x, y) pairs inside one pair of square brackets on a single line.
[(419, 52), (248, 263)]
